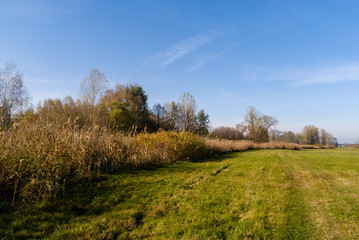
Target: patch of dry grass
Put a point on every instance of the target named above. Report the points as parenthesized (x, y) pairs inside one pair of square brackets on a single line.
[(222, 145), (42, 160)]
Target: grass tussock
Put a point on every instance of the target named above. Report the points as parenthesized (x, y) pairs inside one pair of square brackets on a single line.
[(43, 161)]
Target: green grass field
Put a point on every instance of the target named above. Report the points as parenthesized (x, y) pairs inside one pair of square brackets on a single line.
[(263, 194)]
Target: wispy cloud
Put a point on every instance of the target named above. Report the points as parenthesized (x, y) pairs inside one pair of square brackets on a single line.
[(196, 66), (182, 48), (305, 77), (203, 61), (227, 49), (329, 75)]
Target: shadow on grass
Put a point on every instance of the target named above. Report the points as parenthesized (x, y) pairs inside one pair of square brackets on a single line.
[(217, 157), (42, 219), (125, 187), (184, 164)]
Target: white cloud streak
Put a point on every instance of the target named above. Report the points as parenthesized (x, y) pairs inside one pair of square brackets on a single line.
[(197, 65), (296, 78), (182, 48), (330, 75), (202, 62)]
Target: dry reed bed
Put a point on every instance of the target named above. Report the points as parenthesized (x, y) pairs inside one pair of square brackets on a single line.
[(222, 145), (42, 161)]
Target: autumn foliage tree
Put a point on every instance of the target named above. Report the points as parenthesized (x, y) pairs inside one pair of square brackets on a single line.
[(310, 135)]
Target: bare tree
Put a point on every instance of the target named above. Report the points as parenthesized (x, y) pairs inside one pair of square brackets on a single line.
[(187, 113), (257, 125), (274, 135), (324, 137), (171, 115), (288, 136), (242, 128), (13, 94), (93, 87), (327, 138), (158, 112)]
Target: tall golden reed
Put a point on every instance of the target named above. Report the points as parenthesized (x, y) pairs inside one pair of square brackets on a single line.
[(41, 161)]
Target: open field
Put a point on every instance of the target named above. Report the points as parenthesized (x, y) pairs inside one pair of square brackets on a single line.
[(261, 194)]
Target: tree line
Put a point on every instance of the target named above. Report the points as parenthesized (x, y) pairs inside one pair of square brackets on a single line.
[(259, 128), (125, 108)]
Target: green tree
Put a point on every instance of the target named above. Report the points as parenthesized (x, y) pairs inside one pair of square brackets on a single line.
[(120, 115), (128, 107), (202, 123)]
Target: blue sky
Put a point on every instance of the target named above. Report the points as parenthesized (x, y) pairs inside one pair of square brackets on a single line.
[(295, 60)]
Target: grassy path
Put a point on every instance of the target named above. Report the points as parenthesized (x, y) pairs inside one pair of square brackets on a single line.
[(264, 194), (329, 184)]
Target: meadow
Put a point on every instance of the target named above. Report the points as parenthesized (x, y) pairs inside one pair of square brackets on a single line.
[(260, 194), (179, 120)]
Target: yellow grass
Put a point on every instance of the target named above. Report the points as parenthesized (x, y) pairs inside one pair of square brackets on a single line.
[(43, 160)]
